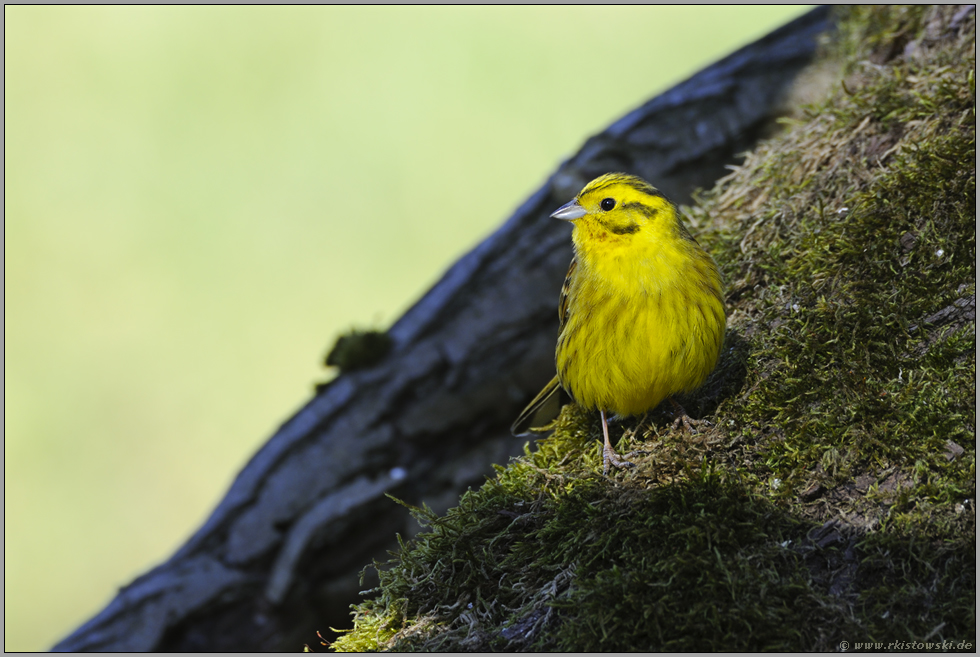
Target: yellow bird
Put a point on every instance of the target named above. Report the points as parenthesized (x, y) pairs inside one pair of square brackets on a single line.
[(641, 311)]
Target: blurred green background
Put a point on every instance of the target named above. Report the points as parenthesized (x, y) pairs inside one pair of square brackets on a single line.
[(198, 199)]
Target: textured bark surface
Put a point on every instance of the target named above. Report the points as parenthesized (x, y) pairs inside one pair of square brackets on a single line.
[(279, 557)]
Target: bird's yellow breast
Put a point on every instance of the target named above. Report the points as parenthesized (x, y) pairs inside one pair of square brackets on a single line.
[(645, 320)]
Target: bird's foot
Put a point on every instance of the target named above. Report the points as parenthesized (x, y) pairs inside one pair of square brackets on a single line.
[(684, 419), (687, 422), (611, 457)]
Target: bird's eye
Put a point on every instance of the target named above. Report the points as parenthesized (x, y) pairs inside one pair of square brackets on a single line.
[(607, 204)]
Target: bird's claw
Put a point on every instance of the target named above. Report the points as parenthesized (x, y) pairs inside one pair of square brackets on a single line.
[(684, 419), (688, 422), (610, 457)]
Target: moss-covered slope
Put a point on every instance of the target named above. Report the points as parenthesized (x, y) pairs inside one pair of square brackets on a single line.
[(833, 499)]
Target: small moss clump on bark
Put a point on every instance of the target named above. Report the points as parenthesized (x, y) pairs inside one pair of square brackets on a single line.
[(833, 499)]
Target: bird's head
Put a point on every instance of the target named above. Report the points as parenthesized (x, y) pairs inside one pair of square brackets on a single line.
[(618, 208)]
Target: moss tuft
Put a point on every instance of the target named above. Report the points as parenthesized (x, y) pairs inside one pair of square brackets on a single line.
[(358, 349)]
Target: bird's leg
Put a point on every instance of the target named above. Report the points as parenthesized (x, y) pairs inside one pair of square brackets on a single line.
[(609, 455)]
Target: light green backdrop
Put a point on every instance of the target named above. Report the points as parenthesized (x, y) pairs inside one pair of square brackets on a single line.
[(198, 199)]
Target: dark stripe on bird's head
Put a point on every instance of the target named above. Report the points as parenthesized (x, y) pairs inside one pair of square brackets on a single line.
[(642, 186), (644, 209), (633, 182), (628, 229)]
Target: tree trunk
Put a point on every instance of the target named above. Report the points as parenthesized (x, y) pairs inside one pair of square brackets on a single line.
[(279, 557)]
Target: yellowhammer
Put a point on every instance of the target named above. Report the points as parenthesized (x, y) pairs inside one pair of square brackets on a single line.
[(641, 312)]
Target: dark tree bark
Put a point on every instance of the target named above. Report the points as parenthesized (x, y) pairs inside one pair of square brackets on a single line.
[(279, 557)]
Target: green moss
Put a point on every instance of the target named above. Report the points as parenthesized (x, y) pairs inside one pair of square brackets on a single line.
[(834, 497), (874, 233), (358, 349)]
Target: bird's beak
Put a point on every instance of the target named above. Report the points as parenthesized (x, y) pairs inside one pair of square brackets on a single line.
[(570, 211)]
